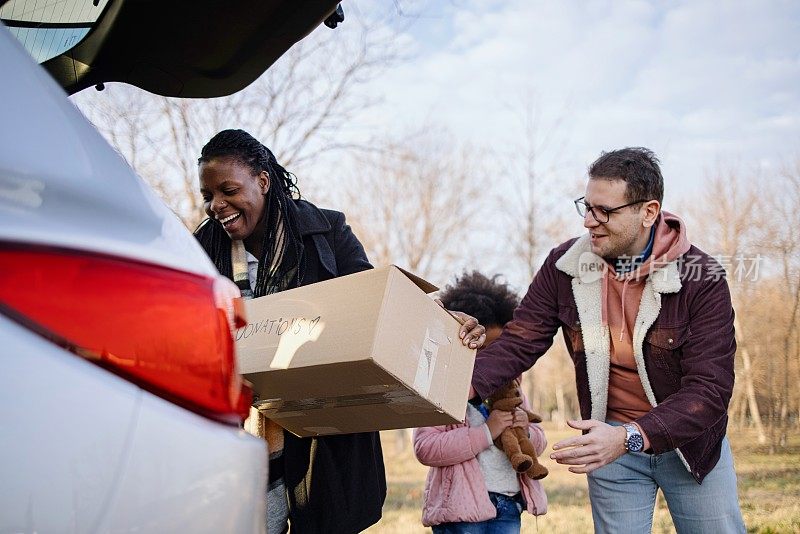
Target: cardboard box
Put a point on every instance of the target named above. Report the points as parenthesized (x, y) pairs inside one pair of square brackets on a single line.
[(368, 351)]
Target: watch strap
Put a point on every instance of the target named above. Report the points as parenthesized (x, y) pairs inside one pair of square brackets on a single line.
[(634, 442)]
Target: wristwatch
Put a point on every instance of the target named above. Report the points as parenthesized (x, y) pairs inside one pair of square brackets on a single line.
[(634, 442)]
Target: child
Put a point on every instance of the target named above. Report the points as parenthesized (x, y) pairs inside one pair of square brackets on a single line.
[(471, 486)]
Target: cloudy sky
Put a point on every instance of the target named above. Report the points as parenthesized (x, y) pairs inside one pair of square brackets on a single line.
[(702, 83), (705, 84)]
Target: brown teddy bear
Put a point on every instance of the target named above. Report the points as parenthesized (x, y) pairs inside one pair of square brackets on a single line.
[(514, 441)]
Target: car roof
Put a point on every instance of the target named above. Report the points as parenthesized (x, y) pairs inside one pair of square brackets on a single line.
[(198, 48)]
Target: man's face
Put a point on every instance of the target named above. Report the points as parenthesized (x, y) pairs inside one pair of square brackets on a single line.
[(624, 232)]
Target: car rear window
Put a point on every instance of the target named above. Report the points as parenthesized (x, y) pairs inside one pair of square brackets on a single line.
[(48, 28)]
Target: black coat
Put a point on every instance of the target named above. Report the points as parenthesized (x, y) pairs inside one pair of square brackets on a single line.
[(336, 484)]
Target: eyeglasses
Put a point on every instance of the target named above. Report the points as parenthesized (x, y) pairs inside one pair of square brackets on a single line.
[(601, 215)]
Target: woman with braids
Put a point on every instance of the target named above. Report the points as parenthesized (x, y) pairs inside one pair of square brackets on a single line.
[(471, 485), (261, 235)]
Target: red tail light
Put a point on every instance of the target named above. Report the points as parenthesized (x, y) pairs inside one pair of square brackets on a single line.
[(165, 330)]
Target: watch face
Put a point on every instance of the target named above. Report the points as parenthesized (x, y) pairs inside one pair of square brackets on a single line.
[(635, 443)]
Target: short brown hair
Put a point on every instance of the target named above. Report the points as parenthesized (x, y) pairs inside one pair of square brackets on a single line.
[(638, 167)]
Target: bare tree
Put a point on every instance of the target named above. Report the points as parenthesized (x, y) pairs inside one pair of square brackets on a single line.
[(781, 239), (414, 202), (724, 226), (301, 108), (536, 210)]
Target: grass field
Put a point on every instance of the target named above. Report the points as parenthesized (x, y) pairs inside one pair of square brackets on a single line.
[(769, 491)]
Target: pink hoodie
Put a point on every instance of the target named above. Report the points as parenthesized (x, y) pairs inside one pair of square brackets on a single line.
[(621, 296), (455, 489)]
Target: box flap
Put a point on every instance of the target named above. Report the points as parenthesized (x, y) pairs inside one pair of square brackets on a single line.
[(424, 285), (427, 287)]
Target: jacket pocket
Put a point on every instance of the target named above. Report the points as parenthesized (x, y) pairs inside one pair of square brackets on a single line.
[(571, 324), (665, 345), (447, 484), (326, 255), (712, 437)]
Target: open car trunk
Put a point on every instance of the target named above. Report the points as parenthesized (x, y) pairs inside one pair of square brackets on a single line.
[(197, 48)]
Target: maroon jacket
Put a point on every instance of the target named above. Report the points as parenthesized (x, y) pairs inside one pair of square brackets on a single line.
[(683, 342)]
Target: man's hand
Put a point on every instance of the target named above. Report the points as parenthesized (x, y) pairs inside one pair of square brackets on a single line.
[(498, 421), (600, 446)]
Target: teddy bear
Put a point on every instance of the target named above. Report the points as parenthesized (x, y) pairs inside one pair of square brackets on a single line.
[(514, 441)]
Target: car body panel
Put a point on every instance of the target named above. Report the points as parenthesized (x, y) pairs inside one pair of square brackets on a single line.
[(188, 474), (57, 469), (86, 451), (61, 183)]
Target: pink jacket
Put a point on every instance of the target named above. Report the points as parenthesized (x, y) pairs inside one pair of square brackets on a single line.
[(455, 489)]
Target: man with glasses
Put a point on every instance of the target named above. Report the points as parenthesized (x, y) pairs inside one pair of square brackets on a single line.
[(653, 349)]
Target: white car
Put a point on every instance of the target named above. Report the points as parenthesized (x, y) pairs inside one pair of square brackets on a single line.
[(120, 402)]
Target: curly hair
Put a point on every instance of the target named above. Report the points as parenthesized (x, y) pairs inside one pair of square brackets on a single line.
[(490, 301)]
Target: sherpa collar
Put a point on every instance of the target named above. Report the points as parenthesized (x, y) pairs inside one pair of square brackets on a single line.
[(586, 270), (580, 262)]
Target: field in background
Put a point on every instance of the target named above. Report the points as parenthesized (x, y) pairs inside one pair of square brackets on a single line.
[(769, 491)]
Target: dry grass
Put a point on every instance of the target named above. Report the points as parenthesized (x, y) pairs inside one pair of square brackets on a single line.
[(769, 491)]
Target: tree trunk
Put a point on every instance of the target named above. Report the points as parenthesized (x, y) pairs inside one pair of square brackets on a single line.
[(736, 413), (400, 440), (743, 422), (787, 340), (752, 403)]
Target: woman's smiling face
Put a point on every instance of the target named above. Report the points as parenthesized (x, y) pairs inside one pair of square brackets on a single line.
[(233, 195)]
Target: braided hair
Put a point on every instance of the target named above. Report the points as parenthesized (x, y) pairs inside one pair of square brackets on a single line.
[(244, 148)]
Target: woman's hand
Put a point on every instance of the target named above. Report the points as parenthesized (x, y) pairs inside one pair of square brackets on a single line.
[(472, 333), (498, 421)]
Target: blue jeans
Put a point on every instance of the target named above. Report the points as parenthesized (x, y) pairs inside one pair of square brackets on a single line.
[(506, 522), (623, 495)]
